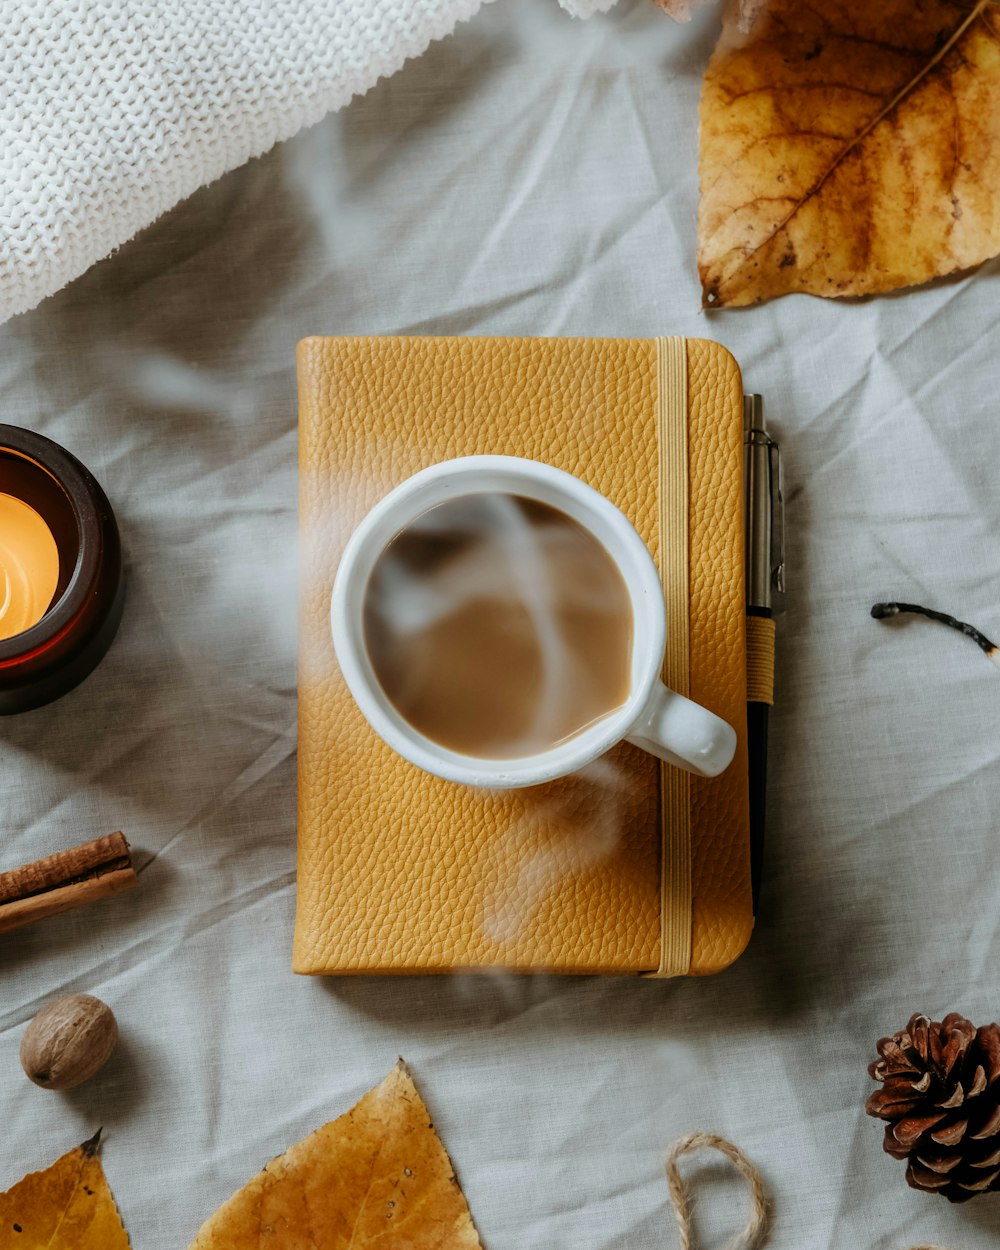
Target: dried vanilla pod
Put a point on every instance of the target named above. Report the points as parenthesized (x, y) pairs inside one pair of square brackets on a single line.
[(941, 1097)]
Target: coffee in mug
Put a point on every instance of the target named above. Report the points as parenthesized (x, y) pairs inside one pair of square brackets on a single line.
[(501, 624), (498, 626)]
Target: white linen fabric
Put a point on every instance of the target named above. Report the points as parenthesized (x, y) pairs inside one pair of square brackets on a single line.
[(529, 175)]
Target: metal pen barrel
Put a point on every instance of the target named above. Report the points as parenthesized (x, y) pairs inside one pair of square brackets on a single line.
[(758, 537)]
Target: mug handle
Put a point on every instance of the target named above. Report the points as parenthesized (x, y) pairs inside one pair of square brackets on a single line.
[(683, 733)]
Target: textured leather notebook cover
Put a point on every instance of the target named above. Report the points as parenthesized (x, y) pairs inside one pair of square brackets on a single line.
[(401, 872)]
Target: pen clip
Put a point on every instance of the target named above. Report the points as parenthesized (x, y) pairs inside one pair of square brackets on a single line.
[(771, 558), (777, 481)]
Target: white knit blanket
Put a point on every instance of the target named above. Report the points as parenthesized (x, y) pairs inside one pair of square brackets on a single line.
[(111, 111)]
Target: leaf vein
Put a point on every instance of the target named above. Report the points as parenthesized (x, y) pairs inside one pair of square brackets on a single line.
[(69, 1201), (367, 1194), (977, 12)]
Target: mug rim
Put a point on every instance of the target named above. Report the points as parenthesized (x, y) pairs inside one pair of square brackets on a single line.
[(533, 479)]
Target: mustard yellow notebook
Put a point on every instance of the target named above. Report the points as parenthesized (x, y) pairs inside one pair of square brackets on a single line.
[(631, 867)]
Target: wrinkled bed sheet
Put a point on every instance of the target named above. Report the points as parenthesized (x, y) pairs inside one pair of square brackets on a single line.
[(530, 175)]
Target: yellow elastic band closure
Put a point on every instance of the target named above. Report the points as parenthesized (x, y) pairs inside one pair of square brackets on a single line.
[(675, 784), (760, 659)]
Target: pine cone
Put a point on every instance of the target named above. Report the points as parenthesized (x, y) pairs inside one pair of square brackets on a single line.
[(941, 1095)]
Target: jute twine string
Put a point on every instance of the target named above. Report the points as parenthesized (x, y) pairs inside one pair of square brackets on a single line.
[(680, 1195)]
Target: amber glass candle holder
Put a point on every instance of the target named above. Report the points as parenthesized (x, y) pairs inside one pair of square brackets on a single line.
[(61, 584)]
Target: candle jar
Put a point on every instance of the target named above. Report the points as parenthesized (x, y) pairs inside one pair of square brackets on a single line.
[(61, 584)]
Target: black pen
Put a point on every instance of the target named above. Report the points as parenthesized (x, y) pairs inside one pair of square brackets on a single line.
[(765, 572)]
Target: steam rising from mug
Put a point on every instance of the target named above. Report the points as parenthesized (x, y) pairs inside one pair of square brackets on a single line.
[(562, 625), (498, 626)]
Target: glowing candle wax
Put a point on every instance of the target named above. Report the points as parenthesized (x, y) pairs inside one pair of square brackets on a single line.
[(61, 572), (29, 566)]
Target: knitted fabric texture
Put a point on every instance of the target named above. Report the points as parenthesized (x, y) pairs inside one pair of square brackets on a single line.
[(111, 111)]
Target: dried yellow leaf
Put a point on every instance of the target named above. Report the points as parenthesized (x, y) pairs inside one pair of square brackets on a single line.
[(377, 1177), (849, 147), (67, 1207)]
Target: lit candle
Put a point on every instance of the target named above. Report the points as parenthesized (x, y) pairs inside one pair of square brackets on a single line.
[(61, 575), (29, 566)]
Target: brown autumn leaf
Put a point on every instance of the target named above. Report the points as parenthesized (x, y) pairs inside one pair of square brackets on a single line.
[(378, 1176), (849, 147), (67, 1207)]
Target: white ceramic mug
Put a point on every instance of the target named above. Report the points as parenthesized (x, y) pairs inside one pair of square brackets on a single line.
[(652, 717)]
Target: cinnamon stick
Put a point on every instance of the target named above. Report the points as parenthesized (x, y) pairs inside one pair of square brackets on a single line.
[(65, 880)]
